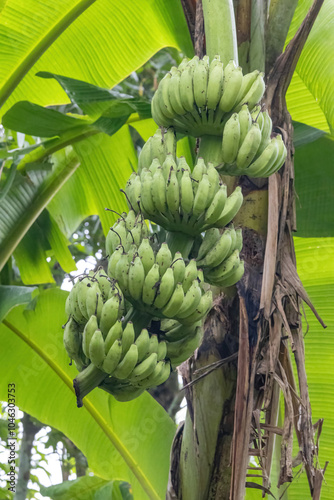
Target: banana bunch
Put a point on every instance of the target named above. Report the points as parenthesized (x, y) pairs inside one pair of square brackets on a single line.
[(247, 146), (140, 361), (219, 256), (128, 230), (157, 148), (180, 200), (198, 96), (94, 303), (181, 340), (162, 285)]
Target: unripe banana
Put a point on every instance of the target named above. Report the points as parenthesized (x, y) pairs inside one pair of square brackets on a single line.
[(142, 342), (175, 302), (116, 236), (144, 369), (179, 267), (232, 206), (264, 162), (265, 132), (234, 277), (150, 285), (146, 200), (136, 278), (174, 92), (164, 94), (224, 269), (231, 86), (201, 197), (159, 191), (130, 220), (104, 283), (281, 157), (169, 141), (166, 289), (158, 376), (113, 357), (94, 301), (219, 251), (129, 191), (126, 366), (163, 258), (82, 287), (68, 305), (173, 193), (145, 156), (231, 138), (191, 300), (145, 252), (214, 180), (245, 121), (96, 349), (249, 147), (180, 332), (186, 88), (154, 344), (200, 83), (198, 172), (246, 85), (190, 275), (162, 350), (113, 261), (157, 112), (75, 309), (122, 272), (210, 239), (181, 350), (128, 337), (110, 314), (201, 311), (115, 333), (238, 240), (216, 207), (72, 338), (215, 83), (255, 93), (187, 195)]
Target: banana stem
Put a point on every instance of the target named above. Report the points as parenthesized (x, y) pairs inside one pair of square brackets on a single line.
[(210, 149), (180, 242), (86, 381), (220, 30)]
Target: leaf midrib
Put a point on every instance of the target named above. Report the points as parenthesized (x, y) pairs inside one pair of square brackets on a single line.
[(116, 442), (40, 47)]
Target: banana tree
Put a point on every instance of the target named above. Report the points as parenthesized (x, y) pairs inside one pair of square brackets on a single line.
[(91, 153)]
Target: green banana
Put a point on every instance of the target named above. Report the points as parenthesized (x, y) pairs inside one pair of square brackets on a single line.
[(113, 357), (159, 191), (186, 88), (200, 83), (215, 83), (136, 278), (202, 309), (281, 157), (218, 252), (145, 156), (232, 206), (96, 349), (231, 138), (126, 366), (146, 200), (174, 92), (72, 338), (217, 206), (179, 267), (122, 272), (265, 161), (162, 350), (142, 342), (233, 277), (224, 269), (145, 252), (175, 302), (110, 314), (166, 289), (232, 82), (144, 369), (201, 197), (245, 121), (210, 239), (154, 344), (163, 258), (150, 285), (249, 147), (191, 300), (246, 85), (190, 275), (104, 283), (94, 301), (255, 93), (173, 194), (115, 333), (128, 337), (187, 195)]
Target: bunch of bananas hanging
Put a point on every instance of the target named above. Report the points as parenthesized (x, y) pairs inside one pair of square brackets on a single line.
[(197, 97), (219, 256), (182, 200), (160, 284), (247, 146), (128, 231)]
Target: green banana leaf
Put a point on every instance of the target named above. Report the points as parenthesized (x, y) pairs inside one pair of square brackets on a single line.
[(11, 296), (88, 488), (120, 440), (314, 74), (101, 42)]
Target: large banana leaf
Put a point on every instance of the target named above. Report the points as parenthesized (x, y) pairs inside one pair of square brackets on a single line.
[(315, 71), (120, 440), (101, 45)]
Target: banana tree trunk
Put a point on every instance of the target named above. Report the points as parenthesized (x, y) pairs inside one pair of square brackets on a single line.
[(243, 362)]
